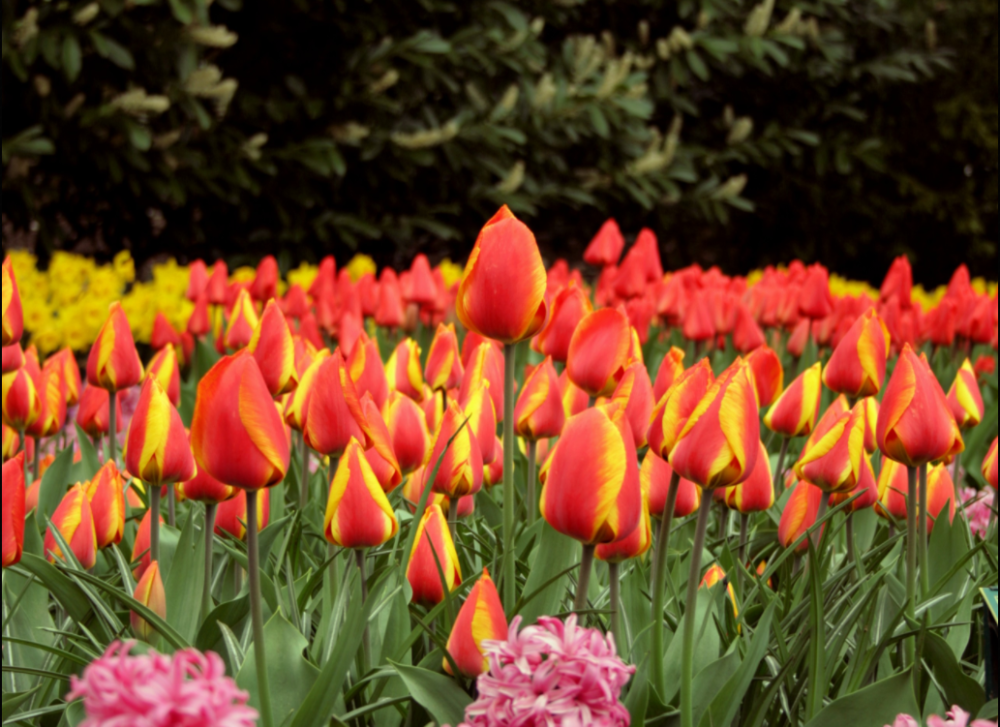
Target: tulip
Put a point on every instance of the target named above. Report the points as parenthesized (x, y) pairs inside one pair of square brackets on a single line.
[(815, 301), (69, 371), (670, 371), (800, 514), (12, 324), (606, 247), (403, 372), (21, 403), (10, 444), (390, 313), (140, 548), (990, 466), (378, 443), (13, 511), (164, 368), (747, 335), (265, 284), (477, 406), (857, 366), (232, 517), (795, 411), (433, 554), (768, 375), (75, 523), (570, 306), (655, 477), (481, 619), (334, 416), (367, 371), (837, 462), (539, 412), (273, 348), (461, 470), (243, 321), (699, 325), (92, 414), (408, 431), (151, 594), (163, 334), (493, 473), (106, 494), (714, 577), (218, 283), (358, 515), (893, 497), (635, 394), (113, 363), (486, 362), (197, 280), (199, 323), (297, 406), (444, 361), (52, 397), (671, 414), (413, 492), (13, 358), (599, 352), (574, 399)]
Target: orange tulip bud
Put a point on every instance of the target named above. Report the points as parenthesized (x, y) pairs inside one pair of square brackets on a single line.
[(21, 403), (757, 493), (893, 490), (297, 407), (485, 364), (838, 461), (157, 449), (720, 443), (234, 412), (990, 466), (75, 522), (140, 549), (151, 594), (367, 371), (93, 412), (13, 358), (502, 293), (334, 416), (671, 370), (478, 408), (481, 619), (671, 414), (52, 398), (243, 321), (114, 363), (402, 370), (12, 317), (635, 545), (795, 412), (592, 490), (433, 549), (273, 348), (606, 247), (539, 411), (164, 369), (599, 352), (655, 477), (800, 513), (768, 375), (408, 431), (915, 424), (231, 517), (635, 394), (857, 366), (358, 515), (106, 493), (461, 471), (13, 511), (965, 399), (444, 361), (570, 306)]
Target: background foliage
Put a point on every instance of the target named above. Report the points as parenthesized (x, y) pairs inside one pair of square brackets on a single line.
[(846, 131)]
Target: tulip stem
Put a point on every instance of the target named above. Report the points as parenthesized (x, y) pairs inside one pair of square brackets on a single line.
[(659, 580), (366, 639), (154, 523), (911, 559), (583, 583), (453, 517), (171, 507), (780, 481), (256, 612), (532, 482), (690, 614), (113, 427), (304, 488), (850, 536), (27, 465), (614, 572), (509, 566), (206, 594), (38, 460), (955, 476), (925, 574), (744, 537)]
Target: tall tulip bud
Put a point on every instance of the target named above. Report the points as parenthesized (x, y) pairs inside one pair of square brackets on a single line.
[(243, 321), (655, 476), (635, 394), (720, 443), (234, 412), (408, 429), (151, 594), (75, 522), (599, 352), (606, 247), (433, 548), (964, 398), (335, 415), (915, 424), (990, 466), (297, 409), (12, 316), (502, 293), (114, 363), (21, 403), (857, 366), (768, 375), (444, 361), (670, 371), (367, 371), (486, 364), (795, 412), (800, 513), (231, 517), (13, 358), (93, 413), (478, 408), (481, 619), (831, 416), (461, 471), (358, 515), (13, 511), (757, 493), (157, 448), (570, 306), (106, 493), (893, 489), (671, 414), (539, 412), (837, 462), (205, 488), (402, 370), (164, 369), (747, 335), (273, 348), (593, 492)]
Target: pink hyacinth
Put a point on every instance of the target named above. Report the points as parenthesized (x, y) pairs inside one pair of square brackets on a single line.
[(955, 718), (189, 689), (978, 509), (552, 675)]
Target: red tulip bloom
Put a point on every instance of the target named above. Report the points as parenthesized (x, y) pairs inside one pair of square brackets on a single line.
[(207, 489), (390, 313), (106, 494), (157, 449), (403, 371), (747, 335), (480, 620), (570, 306), (857, 366), (670, 370), (600, 351), (965, 399), (163, 333), (273, 347), (485, 364), (12, 315), (92, 414), (433, 553), (199, 324), (799, 339), (768, 375), (838, 461), (218, 284), (830, 417), (655, 477), (795, 412), (408, 430), (461, 471), (75, 522), (265, 285), (52, 398), (13, 511), (335, 415), (114, 363), (13, 358), (801, 513), (69, 372), (867, 488), (444, 361), (814, 300), (671, 414), (606, 247), (164, 369), (297, 407), (21, 403), (477, 407), (243, 321), (757, 493), (358, 515), (539, 411), (151, 594), (635, 394)]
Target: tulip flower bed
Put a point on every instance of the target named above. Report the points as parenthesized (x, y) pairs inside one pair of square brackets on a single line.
[(503, 496)]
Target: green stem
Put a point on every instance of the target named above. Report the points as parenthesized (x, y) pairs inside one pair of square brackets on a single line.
[(955, 476), (113, 426), (614, 571), (925, 573), (583, 583), (850, 537), (154, 522), (690, 613), (27, 464), (366, 639), (911, 559), (256, 611), (817, 669), (453, 517), (744, 537), (304, 488), (333, 573), (660, 580), (171, 507), (780, 481), (206, 593), (509, 566), (532, 482)]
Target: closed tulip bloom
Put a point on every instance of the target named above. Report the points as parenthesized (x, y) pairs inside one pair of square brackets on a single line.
[(965, 399), (157, 449), (539, 412), (151, 594), (265, 285), (114, 363), (871, 423), (867, 488), (837, 462), (106, 493), (893, 488), (403, 372), (414, 488), (358, 515), (378, 446), (502, 293), (570, 306), (599, 352), (768, 375), (92, 413), (800, 513), (12, 316), (655, 477), (670, 371), (273, 347), (915, 424), (461, 470), (297, 407), (408, 429), (164, 368), (444, 361), (231, 517), (478, 408), (218, 283), (795, 412), (13, 511), (13, 358), (11, 442), (747, 335), (574, 399), (815, 301), (831, 416), (69, 371), (140, 548), (75, 522), (606, 247), (335, 414), (199, 324), (592, 491), (635, 394), (389, 313), (671, 414), (21, 403), (486, 363), (234, 412), (757, 493), (857, 366), (481, 619), (243, 321), (197, 280), (163, 334), (433, 548), (367, 370), (205, 488), (52, 397), (719, 445), (493, 473), (635, 545), (990, 466)]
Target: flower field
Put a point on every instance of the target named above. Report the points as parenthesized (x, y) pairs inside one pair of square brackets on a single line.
[(508, 494)]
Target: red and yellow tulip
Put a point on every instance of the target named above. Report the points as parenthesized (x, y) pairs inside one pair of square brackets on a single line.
[(965, 399), (635, 394), (114, 362), (403, 372), (164, 369), (671, 369), (12, 322), (539, 412), (800, 513), (768, 375), (358, 515), (838, 461), (334, 416), (481, 619), (600, 352), (655, 477), (671, 414), (893, 489), (297, 406), (75, 522), (106, 493), (13, 511), (990, 466), (433, 549), (795, 412), (444, 369), (231, 517), (273, 347), (461, 470), (21, 403), (151, 594), (93, 412), (157, 450), (367, 371), (757, 493), (408, 431), (243, 322), (569, 306), (857, 366)]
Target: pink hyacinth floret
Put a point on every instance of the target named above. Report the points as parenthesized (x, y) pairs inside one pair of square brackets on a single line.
[(957, 717), (978, 509), (188, 689), (551, 675)]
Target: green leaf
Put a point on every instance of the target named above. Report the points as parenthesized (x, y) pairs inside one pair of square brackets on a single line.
[(13, 702), (181, 11), (89, 463), (112, 50), (66, 593), (959, 689), (72, 58), (439, 695), (877, 705), (184, 581), (698, 66), (553, 557), (55, 481)]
